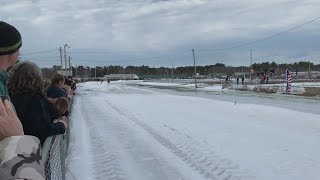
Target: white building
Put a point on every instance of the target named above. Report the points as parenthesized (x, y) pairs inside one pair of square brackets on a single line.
[(121, 77)]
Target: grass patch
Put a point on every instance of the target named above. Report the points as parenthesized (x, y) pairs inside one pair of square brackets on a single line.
[(260, 89), (311, 91)]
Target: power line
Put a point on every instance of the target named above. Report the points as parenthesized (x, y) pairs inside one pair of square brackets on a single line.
[(127, 51), (33, 58), (261, 40), (38, 60), (40, 52), (129, 60), (271, 56)]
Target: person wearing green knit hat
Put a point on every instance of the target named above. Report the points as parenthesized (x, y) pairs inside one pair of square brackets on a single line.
[(20, 155), (10, 43)]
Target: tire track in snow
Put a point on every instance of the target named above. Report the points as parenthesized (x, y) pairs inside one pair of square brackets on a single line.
[(205, 162), (104, 156), (120, 153)]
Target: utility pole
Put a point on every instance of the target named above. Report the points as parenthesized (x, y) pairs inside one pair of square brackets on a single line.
[(167, 74), (76, 70), (95, 72), (61, 60), (65, 56), (69, 74), (172, 73), (195, 69), (65, 59), (309, 73), (250, 63)]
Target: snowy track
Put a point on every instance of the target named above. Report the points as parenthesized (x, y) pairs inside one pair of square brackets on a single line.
[(206, 163), (124, 135), (118, 148), (121, 150)]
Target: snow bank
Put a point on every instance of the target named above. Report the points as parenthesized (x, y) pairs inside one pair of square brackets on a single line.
[(214, 88), (79, 159), (160, 84), (116, 88)]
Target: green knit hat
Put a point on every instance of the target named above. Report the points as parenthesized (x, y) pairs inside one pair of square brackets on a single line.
[(10, 39)]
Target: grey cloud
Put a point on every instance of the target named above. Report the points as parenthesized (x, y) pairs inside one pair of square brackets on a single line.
[(167, 25)]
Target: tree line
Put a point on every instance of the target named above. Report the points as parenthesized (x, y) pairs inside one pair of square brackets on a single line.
[(264, 67)]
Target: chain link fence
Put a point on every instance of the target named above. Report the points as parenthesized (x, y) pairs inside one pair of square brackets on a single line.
[(54, 152)]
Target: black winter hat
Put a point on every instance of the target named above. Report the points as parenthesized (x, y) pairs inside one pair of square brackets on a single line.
[(10, 39)]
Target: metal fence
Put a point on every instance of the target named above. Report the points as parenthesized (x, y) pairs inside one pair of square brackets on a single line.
[(233, 81), (186, 81), (54, 152)]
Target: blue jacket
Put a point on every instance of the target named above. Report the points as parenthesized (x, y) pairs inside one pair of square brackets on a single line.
[(55, 92)]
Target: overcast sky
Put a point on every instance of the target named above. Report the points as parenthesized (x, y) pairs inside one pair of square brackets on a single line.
[(163, 32)]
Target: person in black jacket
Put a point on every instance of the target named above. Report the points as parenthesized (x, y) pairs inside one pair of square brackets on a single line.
[(33, 109), (55, 90)]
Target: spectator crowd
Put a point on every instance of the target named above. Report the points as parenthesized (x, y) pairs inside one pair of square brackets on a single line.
[(31, 109)]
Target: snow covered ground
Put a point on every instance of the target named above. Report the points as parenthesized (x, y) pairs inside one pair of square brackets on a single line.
[(127, 132)]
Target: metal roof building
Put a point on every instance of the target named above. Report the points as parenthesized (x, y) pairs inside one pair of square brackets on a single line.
[(121, 77)]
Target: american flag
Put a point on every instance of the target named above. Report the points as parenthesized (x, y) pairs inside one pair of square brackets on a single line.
[(289, 80)]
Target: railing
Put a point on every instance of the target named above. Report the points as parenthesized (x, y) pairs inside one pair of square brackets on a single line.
[(186, 81), (273, 86), (54, 152), (233, 81)]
